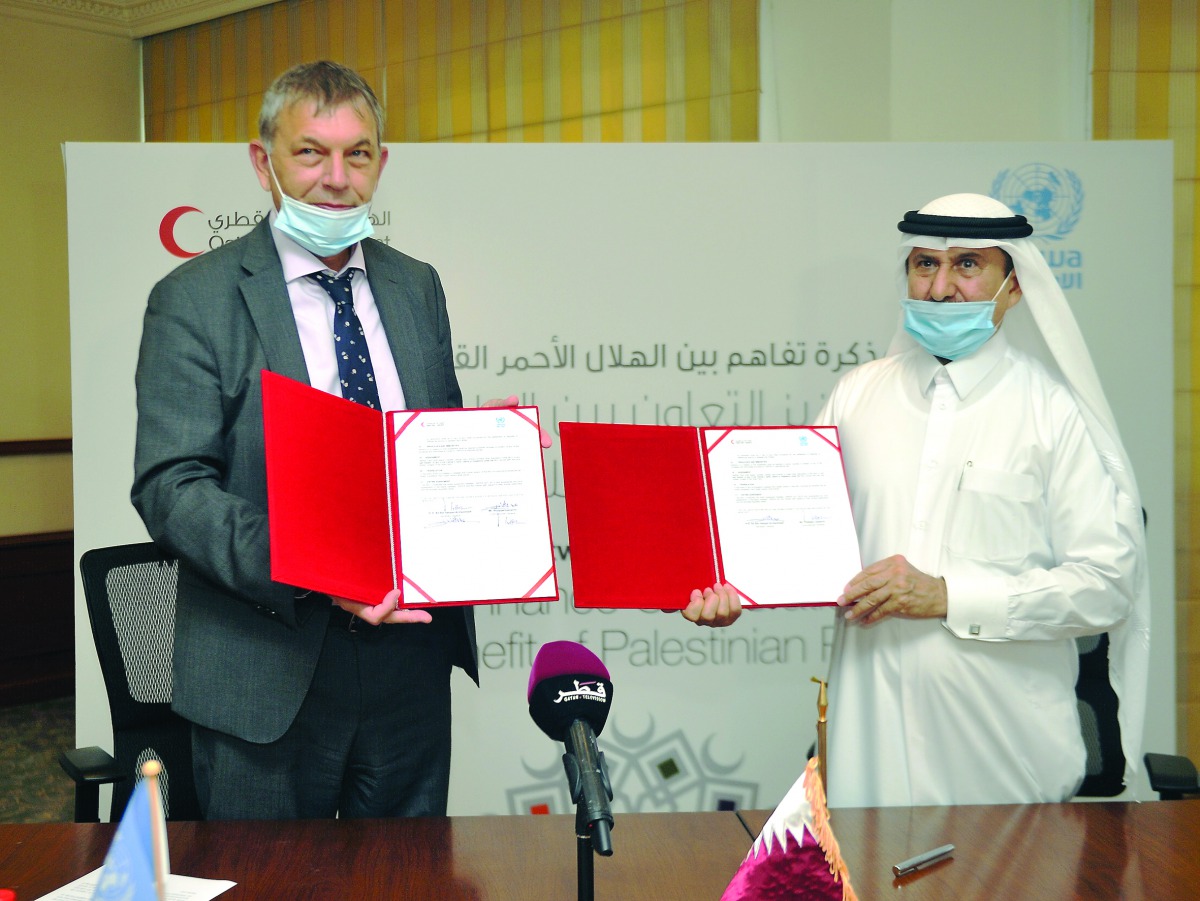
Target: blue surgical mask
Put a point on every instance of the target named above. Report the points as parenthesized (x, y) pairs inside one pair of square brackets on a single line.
[(951, 330), (324, 233)]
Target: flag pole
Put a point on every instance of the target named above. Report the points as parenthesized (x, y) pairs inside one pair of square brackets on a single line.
[(822, 760), (158, 838)]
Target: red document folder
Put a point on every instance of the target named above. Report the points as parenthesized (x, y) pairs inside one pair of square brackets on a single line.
[(332, 505), (644, 524)]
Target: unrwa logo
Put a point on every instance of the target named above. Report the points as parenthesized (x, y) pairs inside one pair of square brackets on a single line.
[(1049, 197)]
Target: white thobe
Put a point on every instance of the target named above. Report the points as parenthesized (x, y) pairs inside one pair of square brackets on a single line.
[(981, 472)]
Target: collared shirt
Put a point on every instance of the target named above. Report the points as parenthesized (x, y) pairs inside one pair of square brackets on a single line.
[(982, 472), (313, 308)]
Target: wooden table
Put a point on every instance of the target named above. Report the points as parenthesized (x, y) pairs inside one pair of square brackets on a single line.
[(1092, 851)]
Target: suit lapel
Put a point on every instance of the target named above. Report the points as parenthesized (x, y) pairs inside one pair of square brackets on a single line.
[(395, 302), (266, 297)]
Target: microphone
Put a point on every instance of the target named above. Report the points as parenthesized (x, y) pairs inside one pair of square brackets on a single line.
[(569, 693)]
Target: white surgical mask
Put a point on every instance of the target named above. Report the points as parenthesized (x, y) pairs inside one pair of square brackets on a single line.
[(324, 233), (951, 330)]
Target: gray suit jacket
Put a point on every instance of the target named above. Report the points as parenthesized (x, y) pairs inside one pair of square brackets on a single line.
[(245, 646)]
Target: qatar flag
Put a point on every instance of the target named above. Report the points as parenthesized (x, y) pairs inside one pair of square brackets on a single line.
[(795, 856)]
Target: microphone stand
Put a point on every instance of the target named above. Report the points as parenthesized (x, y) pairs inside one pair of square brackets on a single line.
[(585, 862), (587, 776)]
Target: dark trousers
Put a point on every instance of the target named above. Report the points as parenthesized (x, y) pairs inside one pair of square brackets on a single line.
[(372, 738)]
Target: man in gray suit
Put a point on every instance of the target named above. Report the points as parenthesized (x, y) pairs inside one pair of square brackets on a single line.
[(303, 705)]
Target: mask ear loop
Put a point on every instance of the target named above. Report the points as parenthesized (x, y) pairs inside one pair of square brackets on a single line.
[(274, 177), (1002, 284)]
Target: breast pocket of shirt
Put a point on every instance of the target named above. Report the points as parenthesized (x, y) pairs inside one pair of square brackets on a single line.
[(997, 516)]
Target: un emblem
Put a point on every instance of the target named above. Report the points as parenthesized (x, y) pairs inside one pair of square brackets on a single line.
[(1049, 197)]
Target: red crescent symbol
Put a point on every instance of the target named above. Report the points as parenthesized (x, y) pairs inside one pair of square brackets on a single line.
[(166, 232)]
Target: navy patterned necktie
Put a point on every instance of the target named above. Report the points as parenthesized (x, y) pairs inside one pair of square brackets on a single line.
[(349, 341)]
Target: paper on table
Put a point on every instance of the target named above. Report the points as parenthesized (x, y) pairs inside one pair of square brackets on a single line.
[(179, 888), (471, 478), (784, 524)]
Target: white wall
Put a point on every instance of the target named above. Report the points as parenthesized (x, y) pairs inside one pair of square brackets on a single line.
[(99, 74), (926, 70)]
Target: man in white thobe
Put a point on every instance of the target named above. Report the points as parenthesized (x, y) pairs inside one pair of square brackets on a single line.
[(999, 519)]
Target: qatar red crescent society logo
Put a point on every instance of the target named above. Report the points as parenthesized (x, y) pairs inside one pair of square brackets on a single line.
[(166, 232)]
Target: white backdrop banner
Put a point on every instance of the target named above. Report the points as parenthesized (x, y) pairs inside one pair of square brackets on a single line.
[(717, 284)]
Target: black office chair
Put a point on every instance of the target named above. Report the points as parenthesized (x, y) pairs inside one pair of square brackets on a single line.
[(1171, 775), (1104, 776), (130, 593)]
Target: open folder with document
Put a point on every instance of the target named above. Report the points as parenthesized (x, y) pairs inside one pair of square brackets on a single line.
[(447, 505), (656, 511)]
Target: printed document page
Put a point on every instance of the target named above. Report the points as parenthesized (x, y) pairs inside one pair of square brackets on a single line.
[(470, 496), (783, 516)]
